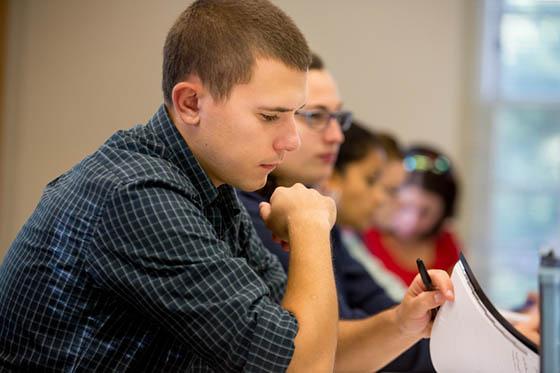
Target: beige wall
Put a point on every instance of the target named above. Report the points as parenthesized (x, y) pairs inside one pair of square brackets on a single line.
[(78, 70), (3, 39), (399, 62)]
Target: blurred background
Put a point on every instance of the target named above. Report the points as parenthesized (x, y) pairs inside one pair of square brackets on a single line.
[(478, 78)]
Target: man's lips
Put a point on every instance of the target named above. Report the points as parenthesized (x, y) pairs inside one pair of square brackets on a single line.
[(329, 158), (269, 166)]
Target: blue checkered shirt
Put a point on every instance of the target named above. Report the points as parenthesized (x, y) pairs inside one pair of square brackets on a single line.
[(134, 261)]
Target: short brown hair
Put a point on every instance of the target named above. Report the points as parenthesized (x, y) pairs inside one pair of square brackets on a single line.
[(316, 62), (219, 41)]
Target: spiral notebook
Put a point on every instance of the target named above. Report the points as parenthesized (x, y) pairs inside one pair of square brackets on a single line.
[(470, 334)]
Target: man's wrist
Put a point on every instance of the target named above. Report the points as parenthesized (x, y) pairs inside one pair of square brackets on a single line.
[(396, 318), (401, 323), (306, 222)]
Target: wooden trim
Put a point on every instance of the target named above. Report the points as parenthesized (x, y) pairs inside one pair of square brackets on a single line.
[(3, 58)]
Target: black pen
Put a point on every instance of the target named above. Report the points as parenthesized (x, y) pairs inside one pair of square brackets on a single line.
[(427, 283)]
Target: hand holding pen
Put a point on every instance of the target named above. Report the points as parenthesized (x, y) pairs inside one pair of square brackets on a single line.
[(415, 311)]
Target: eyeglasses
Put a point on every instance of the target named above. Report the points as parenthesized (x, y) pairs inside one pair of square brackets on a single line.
[(424, 163), (319, 120)]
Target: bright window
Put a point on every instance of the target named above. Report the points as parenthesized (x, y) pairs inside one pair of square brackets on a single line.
[(521, 86)]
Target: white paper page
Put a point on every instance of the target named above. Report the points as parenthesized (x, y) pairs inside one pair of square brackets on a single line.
[(466, 337)]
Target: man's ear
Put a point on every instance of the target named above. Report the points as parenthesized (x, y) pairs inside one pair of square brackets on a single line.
[(186, 99)]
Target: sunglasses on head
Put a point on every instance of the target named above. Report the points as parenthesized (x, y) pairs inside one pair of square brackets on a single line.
[(423, 163)]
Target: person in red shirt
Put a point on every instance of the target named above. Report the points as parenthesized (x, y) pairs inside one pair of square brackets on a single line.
[(419, 225), (413, 221)]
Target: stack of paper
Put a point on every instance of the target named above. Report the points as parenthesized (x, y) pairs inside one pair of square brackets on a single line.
[(470, 335)]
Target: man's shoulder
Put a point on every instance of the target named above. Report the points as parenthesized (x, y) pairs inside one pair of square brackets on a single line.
[(122, 165), (136, 156)]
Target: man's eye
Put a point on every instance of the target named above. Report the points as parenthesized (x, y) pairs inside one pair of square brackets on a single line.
[(318, 116), (269, 118), (372, 179), (391, 191)]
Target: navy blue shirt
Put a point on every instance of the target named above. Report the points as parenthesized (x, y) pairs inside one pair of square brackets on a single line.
[(358, 294), (134, 261)]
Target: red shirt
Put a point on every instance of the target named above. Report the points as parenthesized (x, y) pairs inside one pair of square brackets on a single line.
[(447, 254)]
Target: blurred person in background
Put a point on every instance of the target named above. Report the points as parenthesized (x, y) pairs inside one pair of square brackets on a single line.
[(355, 181), (364, 183), (391, 178), (420, 224), (366, 342), (418, 213)]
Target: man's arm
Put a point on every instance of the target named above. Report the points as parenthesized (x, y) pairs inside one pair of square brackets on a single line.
[(370, 344), (154, 250), (304, 218)]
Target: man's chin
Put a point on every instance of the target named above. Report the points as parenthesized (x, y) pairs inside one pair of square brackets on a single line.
[(248, 186)]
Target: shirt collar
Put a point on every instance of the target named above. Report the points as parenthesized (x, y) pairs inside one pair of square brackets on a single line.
[(179, 153)]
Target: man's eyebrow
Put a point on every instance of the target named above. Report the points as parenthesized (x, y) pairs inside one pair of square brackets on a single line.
[(279, 109), (323, 107)]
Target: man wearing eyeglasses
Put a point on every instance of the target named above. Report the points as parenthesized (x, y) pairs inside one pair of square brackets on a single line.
[(314, 160), (365, 342)]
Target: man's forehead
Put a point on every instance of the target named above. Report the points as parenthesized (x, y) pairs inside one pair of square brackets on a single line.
[(323, 91), (274, 85)]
